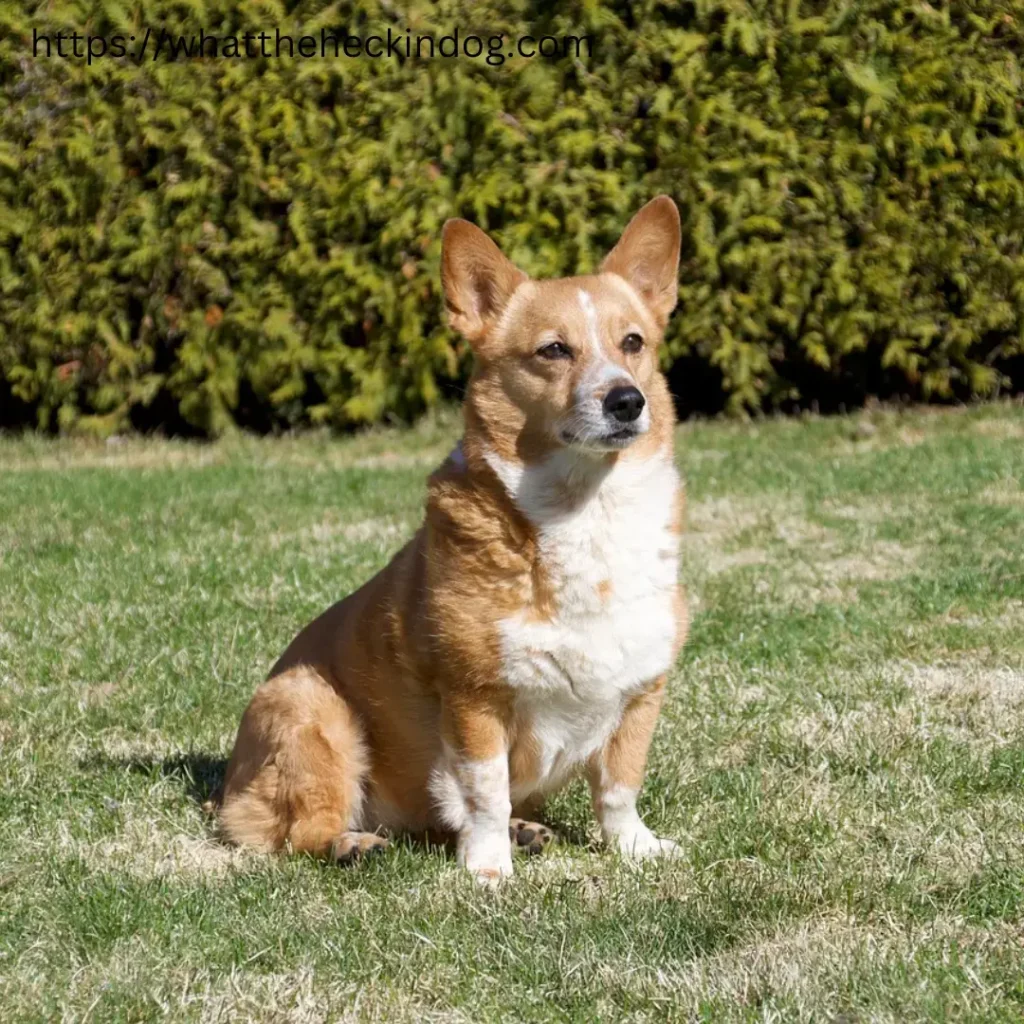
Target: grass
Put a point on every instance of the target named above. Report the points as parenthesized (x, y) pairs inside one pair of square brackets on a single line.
[(842, 755)]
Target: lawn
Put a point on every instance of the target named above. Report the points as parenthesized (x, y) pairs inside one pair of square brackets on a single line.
[(841, 755)]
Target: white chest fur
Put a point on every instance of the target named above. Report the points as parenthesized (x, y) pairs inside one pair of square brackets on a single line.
[(611, 562)]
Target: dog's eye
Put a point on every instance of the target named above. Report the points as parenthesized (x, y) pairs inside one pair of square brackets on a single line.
[(555, 350), (632, 343)]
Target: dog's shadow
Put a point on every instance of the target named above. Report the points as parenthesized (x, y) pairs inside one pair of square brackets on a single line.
[(201, 776)]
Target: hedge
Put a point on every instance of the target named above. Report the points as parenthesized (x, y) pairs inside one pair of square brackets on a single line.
[(197, 243)]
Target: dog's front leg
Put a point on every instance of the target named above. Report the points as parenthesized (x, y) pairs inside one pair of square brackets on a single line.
[(475, 791), (616, 773)]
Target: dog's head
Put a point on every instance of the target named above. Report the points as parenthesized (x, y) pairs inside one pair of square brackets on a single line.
[(569, 362)]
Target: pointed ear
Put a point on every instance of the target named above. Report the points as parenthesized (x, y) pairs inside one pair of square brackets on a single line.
[(647, 256), (477, 279)]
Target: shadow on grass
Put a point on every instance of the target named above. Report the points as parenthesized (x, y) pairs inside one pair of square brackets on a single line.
[(202, 775), (199, 775)]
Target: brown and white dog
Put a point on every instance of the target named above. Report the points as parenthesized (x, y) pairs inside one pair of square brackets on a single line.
[(526, 630)]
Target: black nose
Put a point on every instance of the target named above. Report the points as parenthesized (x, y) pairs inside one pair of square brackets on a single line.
[(624, 404)]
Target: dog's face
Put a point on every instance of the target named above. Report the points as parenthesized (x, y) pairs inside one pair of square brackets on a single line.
[(570, 362)]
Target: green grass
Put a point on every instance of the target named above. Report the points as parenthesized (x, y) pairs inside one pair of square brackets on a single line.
[(842, 754)]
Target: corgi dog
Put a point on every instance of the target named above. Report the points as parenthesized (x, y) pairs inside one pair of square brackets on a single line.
[(525, 633)]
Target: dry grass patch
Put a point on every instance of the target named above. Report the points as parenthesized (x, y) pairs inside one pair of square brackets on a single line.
[(300, 996), (723, 518), (828, 572), (1006, 492), (383, 448), (714, 525), (429, 457), (146, 849), (98, 693), (869, 513), (1011, 617), (115, 453), (1001, 688), (805, 966), (303, 997), (878, 435), (332, 534), (1003, 429), (811, 563), (132, 748), (965, 704), (883, 560), (871, 728), (949, 846), (714, 561)]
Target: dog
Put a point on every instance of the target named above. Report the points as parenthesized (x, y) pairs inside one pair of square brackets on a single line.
[(525, 633)]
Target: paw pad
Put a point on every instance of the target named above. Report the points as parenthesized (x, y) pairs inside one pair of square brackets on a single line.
[(351, 847), (528, 836)]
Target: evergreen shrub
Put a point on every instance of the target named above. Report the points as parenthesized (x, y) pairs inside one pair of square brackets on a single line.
[(198, 243)]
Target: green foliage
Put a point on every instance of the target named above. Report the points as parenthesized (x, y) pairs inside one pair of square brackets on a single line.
[(202, 242)]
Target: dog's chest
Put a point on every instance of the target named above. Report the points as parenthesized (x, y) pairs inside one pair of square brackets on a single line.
[(611, 567)]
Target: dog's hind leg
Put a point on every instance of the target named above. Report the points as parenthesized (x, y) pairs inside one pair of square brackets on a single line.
[(295, 778)]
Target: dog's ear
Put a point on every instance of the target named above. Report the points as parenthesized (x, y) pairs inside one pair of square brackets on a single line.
[(647, 256), (477, 279)]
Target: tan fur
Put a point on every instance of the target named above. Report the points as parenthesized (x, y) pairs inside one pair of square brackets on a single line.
[(296, 774), (623, 758), (361, 707)]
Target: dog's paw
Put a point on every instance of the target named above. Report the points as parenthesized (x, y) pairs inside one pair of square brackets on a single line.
[(490, 877), (643, 844), (488, 858), (350, 847), (528, 836)]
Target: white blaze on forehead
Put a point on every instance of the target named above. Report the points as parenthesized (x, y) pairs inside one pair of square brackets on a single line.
[(593, 327), (603, 368)]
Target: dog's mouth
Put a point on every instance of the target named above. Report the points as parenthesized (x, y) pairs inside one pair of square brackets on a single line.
[(613, 440), (620, 438)]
